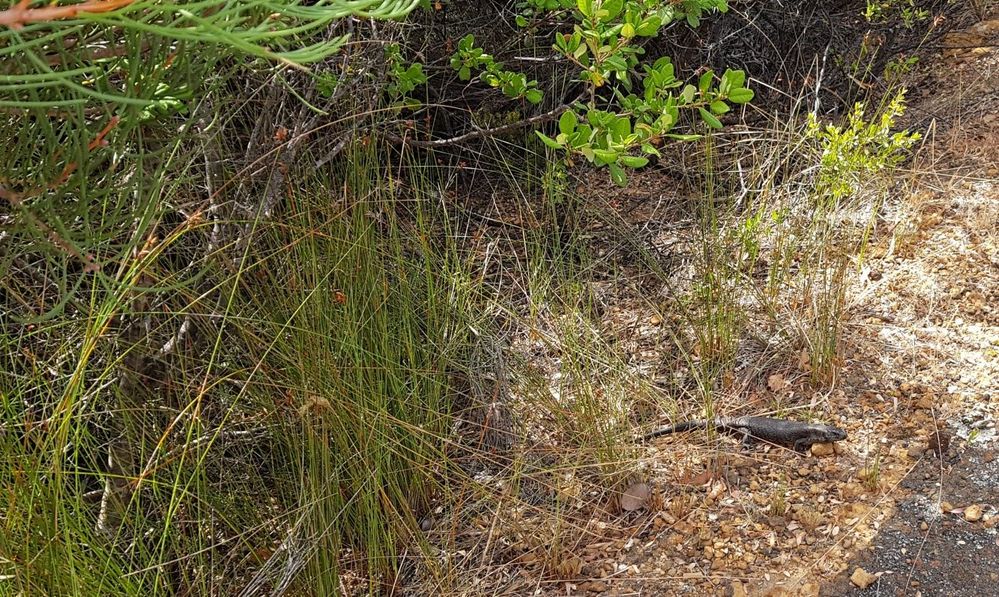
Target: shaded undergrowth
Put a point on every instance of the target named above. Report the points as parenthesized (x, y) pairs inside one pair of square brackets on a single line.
[(366, 388)]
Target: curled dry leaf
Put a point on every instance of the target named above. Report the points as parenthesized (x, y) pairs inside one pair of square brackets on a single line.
[(776, 382), (567, 566), (635, 497)]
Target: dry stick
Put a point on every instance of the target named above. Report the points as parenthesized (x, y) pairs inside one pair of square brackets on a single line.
[(341, 89), (336, 150), (971, 47), (297, 556), (287, 152), (479, 132), (212, 158), (818, 81), (276, 178)]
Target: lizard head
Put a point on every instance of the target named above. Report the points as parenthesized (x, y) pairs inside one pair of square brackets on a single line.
[(832, 434)]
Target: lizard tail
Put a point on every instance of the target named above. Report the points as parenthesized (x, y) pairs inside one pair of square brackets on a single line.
[(678, 428)]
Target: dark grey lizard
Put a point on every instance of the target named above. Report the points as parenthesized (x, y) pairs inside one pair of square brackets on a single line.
[(793, 434)]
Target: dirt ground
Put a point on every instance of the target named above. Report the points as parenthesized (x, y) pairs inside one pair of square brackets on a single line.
[(928, 311), (940, 307), (909, 503)]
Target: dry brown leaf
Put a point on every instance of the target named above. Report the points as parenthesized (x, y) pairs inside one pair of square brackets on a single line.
[(700, 479), (635, 497), (567, 567), (776, 382), (804, 361)]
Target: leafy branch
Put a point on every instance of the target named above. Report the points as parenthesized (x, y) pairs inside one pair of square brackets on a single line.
[(607, 130), (614, 123), (514, 85)]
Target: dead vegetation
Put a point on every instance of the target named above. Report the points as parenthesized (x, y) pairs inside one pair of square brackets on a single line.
[(427, 370)]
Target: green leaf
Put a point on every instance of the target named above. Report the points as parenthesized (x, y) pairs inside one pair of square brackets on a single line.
[(709, 118), (704, 83), (719, 107), (673, 113), (687, 95), (560, 42), (415, 73), (692, 20), (585, 7), (616, 62), (548, 140), (665, 71), (651, 150), (735, 78), (520, 20), (605, 156), (684, 137), (625, 80), (628, 31), (612, 8), (567, 122), (634, 161), (618, 175), (464, 73), (534, 96), (740, 95), (649, 26), (621, 126), (573, 42)]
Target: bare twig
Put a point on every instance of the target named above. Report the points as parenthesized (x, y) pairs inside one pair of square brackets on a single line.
[(335, 151), (275, 576), (477, 133)]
